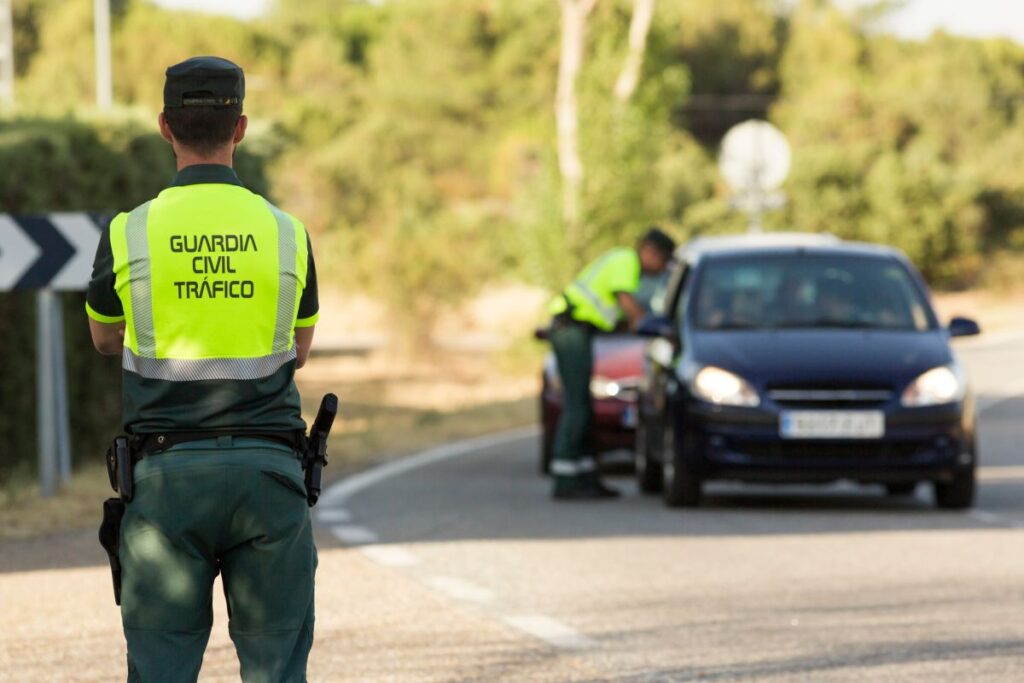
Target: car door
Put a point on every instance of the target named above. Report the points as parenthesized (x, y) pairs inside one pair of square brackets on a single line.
[(660, 358)]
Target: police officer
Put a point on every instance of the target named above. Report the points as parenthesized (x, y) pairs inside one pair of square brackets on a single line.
[(208, 292), (595, 301)]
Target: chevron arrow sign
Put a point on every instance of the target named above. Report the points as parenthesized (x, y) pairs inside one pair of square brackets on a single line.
[(48, 251)]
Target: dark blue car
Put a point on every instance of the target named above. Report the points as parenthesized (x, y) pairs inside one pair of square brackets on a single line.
[(801, 358)]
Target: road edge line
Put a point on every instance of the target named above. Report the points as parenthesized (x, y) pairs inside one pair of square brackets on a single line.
[(341, 491)]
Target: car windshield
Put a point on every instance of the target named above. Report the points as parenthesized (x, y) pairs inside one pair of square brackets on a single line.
[(795, 291)]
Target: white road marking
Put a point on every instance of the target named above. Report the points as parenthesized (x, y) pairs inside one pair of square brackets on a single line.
[(333, 516), (985, 516), (995, 519), (353, 535), (390, 555), (346, 488), (550, 631), (995, 473), (460, 590)]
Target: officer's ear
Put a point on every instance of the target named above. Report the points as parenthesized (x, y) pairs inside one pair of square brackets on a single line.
[(240, 126), (165, 130)]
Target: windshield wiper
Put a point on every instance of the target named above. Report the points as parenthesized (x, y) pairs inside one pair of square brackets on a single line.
[(725, 327), (831, 322)]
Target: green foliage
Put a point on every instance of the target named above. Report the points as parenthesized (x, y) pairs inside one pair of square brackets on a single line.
[(416, 139), (908, 144), (62, 165)]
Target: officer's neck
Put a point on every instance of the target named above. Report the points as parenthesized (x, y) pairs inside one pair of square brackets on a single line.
[(223, 157)]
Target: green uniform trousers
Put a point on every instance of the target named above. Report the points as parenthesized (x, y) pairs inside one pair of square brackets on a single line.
[(573, 347), (231, 506)]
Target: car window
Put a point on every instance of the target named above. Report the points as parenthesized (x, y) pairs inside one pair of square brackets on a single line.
[(808, 291), (651, 293)]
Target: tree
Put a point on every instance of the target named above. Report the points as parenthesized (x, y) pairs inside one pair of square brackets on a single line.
[(639, 27), (574, 32)]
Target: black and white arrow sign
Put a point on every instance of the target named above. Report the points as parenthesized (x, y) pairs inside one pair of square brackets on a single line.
[(48, 251)]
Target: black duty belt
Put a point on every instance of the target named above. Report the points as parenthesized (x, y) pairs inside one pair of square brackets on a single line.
[(149, 444)]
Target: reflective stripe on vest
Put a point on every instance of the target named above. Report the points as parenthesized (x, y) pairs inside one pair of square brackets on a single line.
[(191, 370), (601, 311), (287, 280), (572, 468), (610, 314), (137, 238), (211, 276)]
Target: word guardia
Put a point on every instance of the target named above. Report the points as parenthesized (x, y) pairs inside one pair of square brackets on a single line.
[(213, 257)]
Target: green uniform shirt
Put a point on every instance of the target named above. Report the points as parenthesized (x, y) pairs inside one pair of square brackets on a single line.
[(211, 280), (592, 295)]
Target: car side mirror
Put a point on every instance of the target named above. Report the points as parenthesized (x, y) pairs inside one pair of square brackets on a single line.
[(963, 327), (656, 326), (661, 352)]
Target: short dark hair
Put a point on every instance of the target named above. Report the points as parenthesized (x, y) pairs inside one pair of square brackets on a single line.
[(660, 240), (203, 129)]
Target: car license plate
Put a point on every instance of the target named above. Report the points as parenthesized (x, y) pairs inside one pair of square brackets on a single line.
[(832, 424), (629, 417)]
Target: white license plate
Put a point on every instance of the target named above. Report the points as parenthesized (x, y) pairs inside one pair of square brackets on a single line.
[(832, 424)]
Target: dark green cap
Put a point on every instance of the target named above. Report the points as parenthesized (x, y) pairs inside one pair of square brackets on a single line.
[(204, 82)]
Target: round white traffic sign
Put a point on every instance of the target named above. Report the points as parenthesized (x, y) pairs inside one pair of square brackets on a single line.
[(755, 157)]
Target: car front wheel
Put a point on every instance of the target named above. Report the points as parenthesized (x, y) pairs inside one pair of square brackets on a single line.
[(648, 469), (958, 493), (681, 486)]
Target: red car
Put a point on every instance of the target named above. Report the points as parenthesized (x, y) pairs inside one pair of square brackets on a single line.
[(615, 385), (618, 371)]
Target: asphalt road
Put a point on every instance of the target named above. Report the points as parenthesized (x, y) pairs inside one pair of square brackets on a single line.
[(455, 566)]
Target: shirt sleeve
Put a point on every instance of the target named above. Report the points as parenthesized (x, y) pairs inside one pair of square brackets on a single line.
[(101, 301), (624, 273), (309, 304)]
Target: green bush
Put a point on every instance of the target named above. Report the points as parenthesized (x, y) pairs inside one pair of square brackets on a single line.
[(68, 165)]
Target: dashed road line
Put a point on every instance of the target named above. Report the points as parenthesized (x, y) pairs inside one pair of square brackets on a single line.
[(390, 555), (550, 631), (350, 534), (460, 589), (995, 519)]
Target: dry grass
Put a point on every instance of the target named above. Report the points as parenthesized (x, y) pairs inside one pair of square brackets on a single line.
[(388, 409), (994, 310)]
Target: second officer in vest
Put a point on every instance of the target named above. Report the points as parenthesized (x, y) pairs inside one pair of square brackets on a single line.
[(208, 292), (595, 301)]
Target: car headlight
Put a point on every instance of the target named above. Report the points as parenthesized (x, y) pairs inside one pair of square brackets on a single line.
[(623, 389), (723, 388), (939, 386), (602, 387)]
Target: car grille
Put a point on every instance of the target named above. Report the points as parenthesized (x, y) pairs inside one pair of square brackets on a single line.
[(838, 397), (894, 452)]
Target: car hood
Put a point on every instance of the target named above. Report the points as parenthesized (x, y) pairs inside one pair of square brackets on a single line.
[(619, 356), (823, 357), (616, 356)]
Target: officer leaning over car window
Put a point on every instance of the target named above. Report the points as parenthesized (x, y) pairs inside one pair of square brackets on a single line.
[(208, 292), (594, 302)]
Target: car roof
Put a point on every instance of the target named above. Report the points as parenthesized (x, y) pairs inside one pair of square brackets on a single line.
[(778, 242)]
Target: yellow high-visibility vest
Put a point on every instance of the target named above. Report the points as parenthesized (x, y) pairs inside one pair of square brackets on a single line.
[(591, 297)]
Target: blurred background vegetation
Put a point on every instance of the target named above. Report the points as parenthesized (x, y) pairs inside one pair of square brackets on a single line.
[(417, 139)]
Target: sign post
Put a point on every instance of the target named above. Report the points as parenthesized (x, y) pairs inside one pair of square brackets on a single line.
[(49, 253), (755, 161)]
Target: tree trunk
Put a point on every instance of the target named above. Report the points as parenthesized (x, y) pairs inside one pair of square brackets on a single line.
[(574, 26), (639, 27)]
